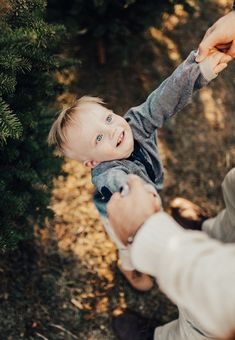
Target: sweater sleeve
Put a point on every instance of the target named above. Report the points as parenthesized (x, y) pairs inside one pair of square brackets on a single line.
[(170, 97), (196, 272)]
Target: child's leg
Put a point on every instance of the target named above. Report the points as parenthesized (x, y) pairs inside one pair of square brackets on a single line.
[(184, 328), (137, 280), (222, 227), (123, 252)]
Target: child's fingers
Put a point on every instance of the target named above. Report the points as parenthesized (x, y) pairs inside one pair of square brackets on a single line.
[(216, 58), (225, 58), (220, 67)]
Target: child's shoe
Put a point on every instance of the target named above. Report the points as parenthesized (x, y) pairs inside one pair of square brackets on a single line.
[(187, 214), (131, 325), (137, 280)]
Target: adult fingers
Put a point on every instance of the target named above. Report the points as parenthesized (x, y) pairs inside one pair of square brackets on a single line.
[(208, 42), (203, 52), (156, 204), (135, 183), (114, 206), (139, 191), (113, 201), (116, 195)]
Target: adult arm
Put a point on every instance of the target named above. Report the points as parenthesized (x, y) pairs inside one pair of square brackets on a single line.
[(196, 272)]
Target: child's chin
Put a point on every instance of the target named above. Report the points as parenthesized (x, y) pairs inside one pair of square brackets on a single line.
[(127, 154)]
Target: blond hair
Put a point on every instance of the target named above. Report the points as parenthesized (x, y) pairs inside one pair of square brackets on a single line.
[(57, 134)]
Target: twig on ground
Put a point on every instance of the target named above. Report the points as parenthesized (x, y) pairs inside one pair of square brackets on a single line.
[(41, 336), (64, 330)]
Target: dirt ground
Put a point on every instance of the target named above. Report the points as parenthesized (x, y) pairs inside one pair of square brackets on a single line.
[(65, 284)]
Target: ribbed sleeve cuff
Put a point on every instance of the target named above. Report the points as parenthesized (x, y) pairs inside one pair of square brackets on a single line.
[(151, 240)]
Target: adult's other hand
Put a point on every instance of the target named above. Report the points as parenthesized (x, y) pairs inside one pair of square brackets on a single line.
[(127, 213)]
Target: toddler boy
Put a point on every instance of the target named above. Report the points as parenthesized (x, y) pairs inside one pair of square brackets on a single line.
[(114, 146)]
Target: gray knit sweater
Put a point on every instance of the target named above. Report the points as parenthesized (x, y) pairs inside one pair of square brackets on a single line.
[(168, 99)]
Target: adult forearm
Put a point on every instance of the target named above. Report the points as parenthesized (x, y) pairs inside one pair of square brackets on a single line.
[(195, 271)]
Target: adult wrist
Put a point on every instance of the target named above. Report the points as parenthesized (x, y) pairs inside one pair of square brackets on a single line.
[(152, 240), (130, 238)]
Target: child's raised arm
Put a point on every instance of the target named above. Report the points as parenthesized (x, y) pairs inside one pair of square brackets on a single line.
[(175, 92)]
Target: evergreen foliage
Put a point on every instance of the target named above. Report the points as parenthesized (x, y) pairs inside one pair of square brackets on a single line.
[(113, 24), (28, 49)]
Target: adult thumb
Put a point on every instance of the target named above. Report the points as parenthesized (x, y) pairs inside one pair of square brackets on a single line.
[(209, 41), (203, 52)]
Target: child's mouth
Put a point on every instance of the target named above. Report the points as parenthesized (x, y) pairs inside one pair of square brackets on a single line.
[(120, 138)]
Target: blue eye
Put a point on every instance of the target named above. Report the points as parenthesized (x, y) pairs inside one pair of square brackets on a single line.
[(99, 138), (109, 119)]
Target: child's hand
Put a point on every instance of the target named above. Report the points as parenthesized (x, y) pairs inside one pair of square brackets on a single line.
[(218, 60)]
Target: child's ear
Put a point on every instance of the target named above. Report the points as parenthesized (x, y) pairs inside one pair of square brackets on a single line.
[(90, 164)]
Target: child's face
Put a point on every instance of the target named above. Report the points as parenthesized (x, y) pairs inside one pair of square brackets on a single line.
[(97, 135)]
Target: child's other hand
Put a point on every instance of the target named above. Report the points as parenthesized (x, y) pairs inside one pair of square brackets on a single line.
[(218, 60)]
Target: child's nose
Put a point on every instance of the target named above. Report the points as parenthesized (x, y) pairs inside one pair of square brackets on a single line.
[(112, 132)]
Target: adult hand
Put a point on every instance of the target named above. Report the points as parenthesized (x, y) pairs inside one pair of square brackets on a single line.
[(127, 213), (220, 35)]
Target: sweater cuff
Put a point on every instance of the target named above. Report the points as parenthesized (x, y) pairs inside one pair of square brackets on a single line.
[(157, 233)]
